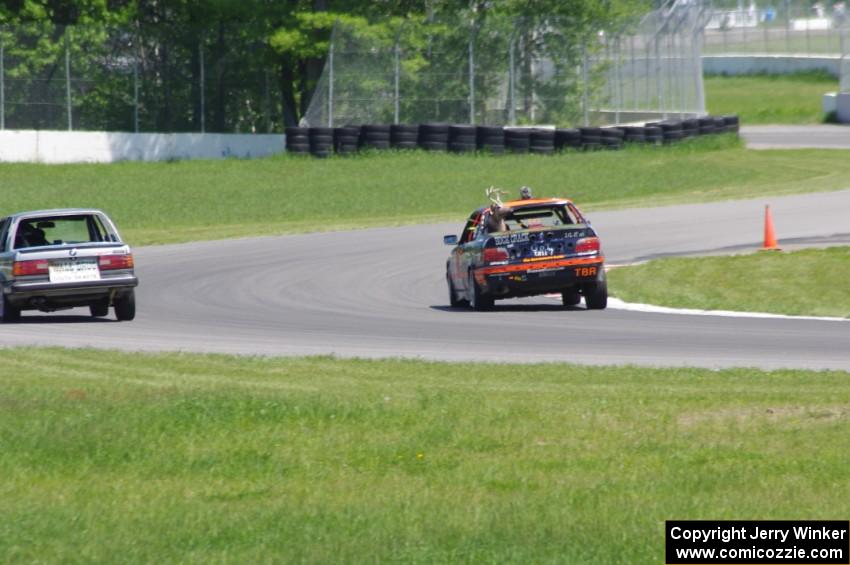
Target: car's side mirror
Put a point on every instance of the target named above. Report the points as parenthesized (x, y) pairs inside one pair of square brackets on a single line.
[(450, 239)]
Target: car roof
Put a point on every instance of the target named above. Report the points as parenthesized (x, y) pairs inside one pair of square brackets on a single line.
[(533, 202), (55, 212), (536, 202)]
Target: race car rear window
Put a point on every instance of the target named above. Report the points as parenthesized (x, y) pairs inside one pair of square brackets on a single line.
[(59, 230), (545, 217)]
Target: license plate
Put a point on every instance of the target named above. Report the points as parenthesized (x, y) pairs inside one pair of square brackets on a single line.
[(542, 250), (74, 271)]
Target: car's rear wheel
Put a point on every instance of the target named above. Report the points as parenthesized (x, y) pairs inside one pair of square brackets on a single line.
[(454, 301), (125, 306), (570, 297), (8, 312), (596, 295), (100, 308), (477, 299)]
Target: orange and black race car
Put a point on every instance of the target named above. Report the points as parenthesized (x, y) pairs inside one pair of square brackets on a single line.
[(537, 246)]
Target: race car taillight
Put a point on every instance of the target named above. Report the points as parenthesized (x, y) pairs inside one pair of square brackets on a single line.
[(109, 262), (588, 245), (495, 255), (28, 268)]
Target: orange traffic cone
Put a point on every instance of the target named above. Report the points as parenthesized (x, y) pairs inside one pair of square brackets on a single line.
[(769, 236)]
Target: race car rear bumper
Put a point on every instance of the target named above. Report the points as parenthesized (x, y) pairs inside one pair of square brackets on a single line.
[(83, 287), (528, 279)]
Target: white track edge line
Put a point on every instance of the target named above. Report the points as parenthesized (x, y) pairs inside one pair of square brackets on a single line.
[(618, 304)]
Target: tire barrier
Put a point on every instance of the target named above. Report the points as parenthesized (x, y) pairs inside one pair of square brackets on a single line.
[(463, 138), (590, 138), (542, 141), (321, 141), (706, 125), (634, 134), (298, 140), (490, 139), (375, 136), (433, 137), (653, 135), (346, 139), (517, 140), (567, 138), (612, 138), (404, 136), (671, 130)]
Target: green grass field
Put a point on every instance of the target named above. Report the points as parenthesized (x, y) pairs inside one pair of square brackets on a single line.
[(811, 282), (182, 201), (753, 42), (770, 99), (110, 457)]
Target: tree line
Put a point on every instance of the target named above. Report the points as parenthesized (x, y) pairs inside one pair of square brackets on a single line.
[(259, 61)]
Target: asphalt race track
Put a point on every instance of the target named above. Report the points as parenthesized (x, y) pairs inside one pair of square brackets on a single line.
[(381, 292), (820, 136)]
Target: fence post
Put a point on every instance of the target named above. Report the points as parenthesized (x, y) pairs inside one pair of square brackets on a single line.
[(511, 84), (788, 26), (136, 87), (331, 83), (2, 83), (633, 67), (697, 62), (584, 87), (659, 80), (841, 79), (683, 86), (68, 77), (203, 94), (396, 93), (766, 42), (618, 90), (808, 39), (472, 77), (267, 101)]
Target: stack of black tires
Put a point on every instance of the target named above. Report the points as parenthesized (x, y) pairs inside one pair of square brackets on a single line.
[(542, 141), (490, 139), (404, 136), (298, 140), (517, 140), (567, 138), (321, 141), (460, 138), (375, 136), (433, 137), (612, 138), (346, 139), (591, 138)]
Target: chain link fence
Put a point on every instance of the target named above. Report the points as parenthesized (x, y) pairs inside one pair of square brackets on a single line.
[(504, 71), (155, 79), (785, 27), (844, 62)]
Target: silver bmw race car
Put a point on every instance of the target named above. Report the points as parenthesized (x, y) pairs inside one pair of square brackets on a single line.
[(57, 259)]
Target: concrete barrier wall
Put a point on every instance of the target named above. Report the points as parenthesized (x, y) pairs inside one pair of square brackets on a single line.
[(107, 147), (770, 64)]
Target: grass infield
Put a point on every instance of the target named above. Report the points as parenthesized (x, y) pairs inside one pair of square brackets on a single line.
[(113, 457), (195, 200), (770, 99), (811, 282)]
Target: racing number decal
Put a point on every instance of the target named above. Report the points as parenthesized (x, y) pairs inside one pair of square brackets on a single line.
[(585, 271)]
